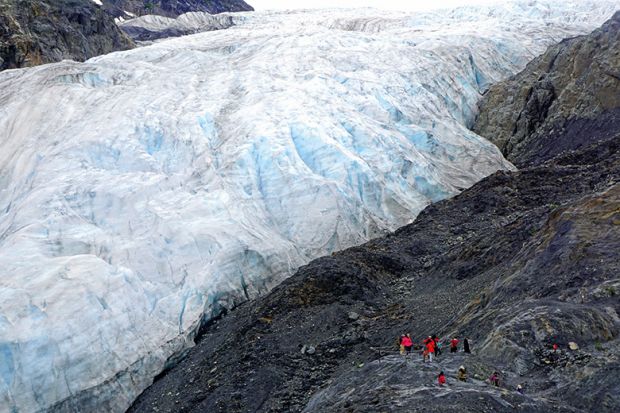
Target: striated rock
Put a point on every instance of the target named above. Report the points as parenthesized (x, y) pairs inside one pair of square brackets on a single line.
[(34, 32), (392, 383), (563, 100)]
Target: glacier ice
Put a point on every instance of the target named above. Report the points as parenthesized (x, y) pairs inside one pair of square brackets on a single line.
[(151, 27), (142, 189)]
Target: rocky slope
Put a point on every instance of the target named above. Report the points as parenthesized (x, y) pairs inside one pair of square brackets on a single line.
[(171, 8), (33, 32), (517, 262), (564, 99)]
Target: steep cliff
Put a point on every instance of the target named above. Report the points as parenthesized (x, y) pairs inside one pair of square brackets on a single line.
[(34, 32), (563, 100)]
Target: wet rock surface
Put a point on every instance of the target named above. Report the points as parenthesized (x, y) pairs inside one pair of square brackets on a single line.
[(563, 100), (396, 383), (34, 32), (519, 262)]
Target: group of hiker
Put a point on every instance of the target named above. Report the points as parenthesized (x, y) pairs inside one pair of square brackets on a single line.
[(461, 375), (431, 346)]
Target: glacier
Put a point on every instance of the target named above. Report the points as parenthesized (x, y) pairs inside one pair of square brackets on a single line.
[(152, 27), (143, 191)]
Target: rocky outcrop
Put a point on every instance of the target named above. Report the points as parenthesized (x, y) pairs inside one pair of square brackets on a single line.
[(516, 263), (171, 8), (33, 32), (563, 100)]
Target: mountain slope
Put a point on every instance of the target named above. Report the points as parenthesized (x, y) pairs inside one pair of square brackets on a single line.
[(566, 98), (518, 262), (33, 32)]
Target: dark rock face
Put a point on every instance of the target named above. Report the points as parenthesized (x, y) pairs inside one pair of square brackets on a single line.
[(172, 8), (518, 262), (34, 32), (563, 100)]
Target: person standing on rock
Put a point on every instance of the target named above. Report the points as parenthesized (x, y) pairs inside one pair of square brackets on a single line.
[(437, 341), (425, 349), (461, 375), (430, 348), (407, 343), (401, 346), (454, 345), (494, 379), (441, 379), (466, 348)]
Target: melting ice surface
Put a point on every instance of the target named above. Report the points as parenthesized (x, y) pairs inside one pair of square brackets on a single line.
[(143, 189)]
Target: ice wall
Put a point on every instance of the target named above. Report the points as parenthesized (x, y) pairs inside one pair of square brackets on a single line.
[(143, 189)]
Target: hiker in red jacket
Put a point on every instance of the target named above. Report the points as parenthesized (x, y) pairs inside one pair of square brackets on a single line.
[(425, 348), (430, 348), (441, 379), (454, 345), (407, 343)]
